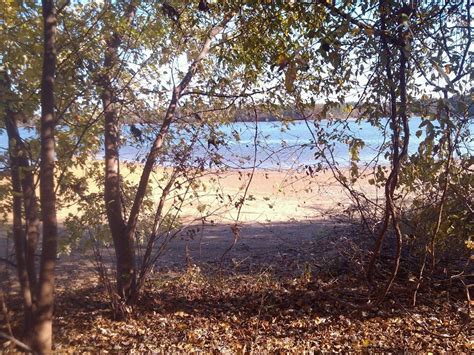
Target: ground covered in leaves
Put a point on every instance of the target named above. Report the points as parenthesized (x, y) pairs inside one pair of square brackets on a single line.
[(252, 313), (300, 302)]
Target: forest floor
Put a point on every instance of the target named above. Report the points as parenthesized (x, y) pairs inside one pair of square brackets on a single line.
[(284, 287), (290, 283)]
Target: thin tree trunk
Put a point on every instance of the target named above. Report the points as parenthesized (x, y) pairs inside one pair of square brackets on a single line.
[(124, 247), (32, 222), (447, 169), (159, 140), (18, 234), (147, 263), (30, 202), (42, 338), (391, 181), (18, 162), (403, 155)]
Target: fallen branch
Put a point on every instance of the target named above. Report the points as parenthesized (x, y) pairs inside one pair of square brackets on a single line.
[(17, 342)]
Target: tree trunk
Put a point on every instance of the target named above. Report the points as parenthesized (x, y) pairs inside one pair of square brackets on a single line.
[(18, 234), (402, 112), (32, 222), (159, 139), (42, 337), (391, 182), (23, 190), (124, 246)]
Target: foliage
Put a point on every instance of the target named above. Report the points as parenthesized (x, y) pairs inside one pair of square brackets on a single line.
[(457, 227), (378, 61)]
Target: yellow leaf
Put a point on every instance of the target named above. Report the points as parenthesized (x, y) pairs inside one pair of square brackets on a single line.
[(369, 30), (201, 208), (282, 60), (181, 314)]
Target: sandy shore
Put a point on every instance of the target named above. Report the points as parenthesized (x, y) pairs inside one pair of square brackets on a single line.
[(214, 198), (286, 214), (270, 196)]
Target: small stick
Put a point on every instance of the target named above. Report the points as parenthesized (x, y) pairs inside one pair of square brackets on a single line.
[(17, 342)]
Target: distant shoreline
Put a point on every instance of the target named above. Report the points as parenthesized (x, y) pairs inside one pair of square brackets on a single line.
[(252, 120)]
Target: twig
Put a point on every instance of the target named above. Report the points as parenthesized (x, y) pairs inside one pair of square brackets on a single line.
[(17, 342), (235, 228), (420, 277)]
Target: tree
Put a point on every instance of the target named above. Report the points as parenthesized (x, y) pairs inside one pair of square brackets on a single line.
[(26, 234), (393, 45), (251, 58), (123, 233), (123, 242), (37, 290), (43, 328)]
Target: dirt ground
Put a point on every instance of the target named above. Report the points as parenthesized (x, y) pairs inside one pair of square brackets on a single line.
[(291, 278), (288, 215)]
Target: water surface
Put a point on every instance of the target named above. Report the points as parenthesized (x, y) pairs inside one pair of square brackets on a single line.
[(279, 145)]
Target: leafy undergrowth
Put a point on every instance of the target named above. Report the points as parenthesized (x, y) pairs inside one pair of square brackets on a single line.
[(192, 311)]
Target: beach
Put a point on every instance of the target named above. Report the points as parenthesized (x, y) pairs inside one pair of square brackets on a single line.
[(268, 196), (287, 216)]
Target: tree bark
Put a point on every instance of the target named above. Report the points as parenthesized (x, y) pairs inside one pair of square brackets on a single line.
[(19, 172), (18, 234), (400, 159), (399, 124), (391, 181), (124, 246), (32, 222), (42, 337)]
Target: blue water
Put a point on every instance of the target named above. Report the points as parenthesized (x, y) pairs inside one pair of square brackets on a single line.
[(279, 146)]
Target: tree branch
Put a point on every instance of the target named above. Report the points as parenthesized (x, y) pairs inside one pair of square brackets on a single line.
[(158, 142)]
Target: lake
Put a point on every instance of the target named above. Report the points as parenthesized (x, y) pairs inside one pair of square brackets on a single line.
[(279, 146)]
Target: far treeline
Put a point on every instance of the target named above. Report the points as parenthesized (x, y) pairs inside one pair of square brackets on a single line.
[(354, 110), (330, 110), (80, 70)]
